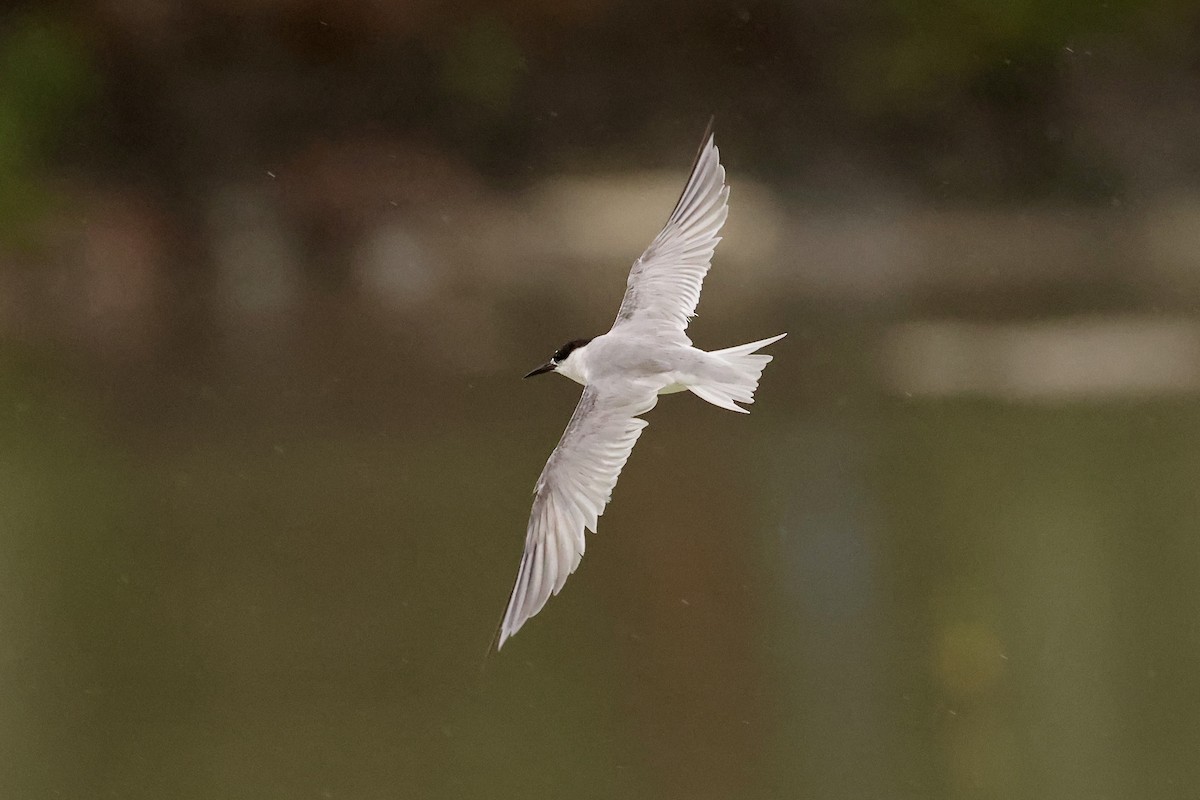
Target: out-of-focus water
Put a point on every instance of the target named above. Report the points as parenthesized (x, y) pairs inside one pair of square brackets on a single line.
[(281, 581)]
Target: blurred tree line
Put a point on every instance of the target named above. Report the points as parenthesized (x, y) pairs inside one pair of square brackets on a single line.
[(982, 99)]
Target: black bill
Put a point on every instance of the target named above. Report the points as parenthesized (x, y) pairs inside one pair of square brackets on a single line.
[(547, 367)]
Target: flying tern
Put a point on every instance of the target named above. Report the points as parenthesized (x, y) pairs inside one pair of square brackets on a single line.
[(646, 353)]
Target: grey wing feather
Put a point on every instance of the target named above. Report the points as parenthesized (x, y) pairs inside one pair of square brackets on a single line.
[(571, 494), (664, 284)]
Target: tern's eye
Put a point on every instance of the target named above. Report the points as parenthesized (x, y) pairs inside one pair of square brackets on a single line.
[(568, 348)]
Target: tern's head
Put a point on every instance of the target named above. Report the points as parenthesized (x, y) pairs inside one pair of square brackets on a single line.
[(565, 360)]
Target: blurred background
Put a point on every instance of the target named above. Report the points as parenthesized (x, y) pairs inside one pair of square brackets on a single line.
[(271, 270)]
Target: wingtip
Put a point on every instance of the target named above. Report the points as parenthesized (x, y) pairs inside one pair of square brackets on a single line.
[(707, 141), (499, 637), (507, 631)]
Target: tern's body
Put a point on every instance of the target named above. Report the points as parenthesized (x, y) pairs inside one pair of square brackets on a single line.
[(644, 355), (632, 357)]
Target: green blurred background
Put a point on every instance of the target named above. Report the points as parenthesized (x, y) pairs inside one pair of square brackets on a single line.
[(270, 271)]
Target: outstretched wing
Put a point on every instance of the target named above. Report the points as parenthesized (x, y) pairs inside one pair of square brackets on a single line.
[(664, 284), (572, 492)]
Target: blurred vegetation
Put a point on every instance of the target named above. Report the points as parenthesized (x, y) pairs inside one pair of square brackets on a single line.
[(45, 74), (969, 96), (483, 65), (922, 53)]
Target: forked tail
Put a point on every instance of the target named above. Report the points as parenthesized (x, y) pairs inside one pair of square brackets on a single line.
[(738, 383)]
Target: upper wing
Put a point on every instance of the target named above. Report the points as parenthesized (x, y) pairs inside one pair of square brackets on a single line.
[(572, 492), (664, 284)]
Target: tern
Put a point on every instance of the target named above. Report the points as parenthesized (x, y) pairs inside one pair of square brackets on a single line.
[(646, 353)]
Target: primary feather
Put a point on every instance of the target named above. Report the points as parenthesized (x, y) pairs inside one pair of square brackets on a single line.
[(664, 285), (572, 491)]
